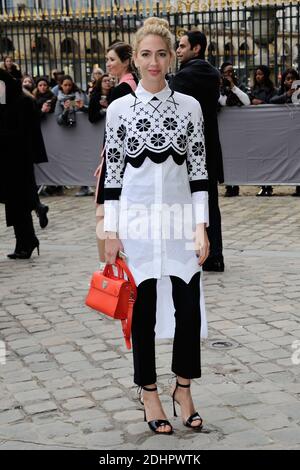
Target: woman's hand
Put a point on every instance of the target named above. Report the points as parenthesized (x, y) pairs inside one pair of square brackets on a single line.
[(230, 79), (46, 108), (201, 243), (103, 103), (112, 246), (67, 104), (79, 104), (256, 101)]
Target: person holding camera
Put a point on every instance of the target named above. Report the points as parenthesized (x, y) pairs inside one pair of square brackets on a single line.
[(44, 97), (99, 98), (286, 91), (287, 88), (231, 94), (262, 92), (70, 100)]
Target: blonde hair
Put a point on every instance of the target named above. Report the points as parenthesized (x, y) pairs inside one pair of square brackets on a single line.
[(158, 27)]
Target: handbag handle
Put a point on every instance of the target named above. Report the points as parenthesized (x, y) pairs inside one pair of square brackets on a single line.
[(108, 271), (122, 267)]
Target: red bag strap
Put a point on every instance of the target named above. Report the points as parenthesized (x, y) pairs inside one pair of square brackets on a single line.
[(121, 263), (122, 267)]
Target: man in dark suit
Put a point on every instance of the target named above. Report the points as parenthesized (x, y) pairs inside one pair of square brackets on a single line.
[(198, 78)]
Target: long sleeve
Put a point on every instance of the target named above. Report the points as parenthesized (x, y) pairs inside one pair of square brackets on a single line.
[(243, 97), (223, 100), (114, 154), (96, 112), (196, 163), (279, 99)]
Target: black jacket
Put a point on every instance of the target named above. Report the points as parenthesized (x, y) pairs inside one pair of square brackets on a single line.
[(22, 145), (95, 111), (198, 78), (263, 93)]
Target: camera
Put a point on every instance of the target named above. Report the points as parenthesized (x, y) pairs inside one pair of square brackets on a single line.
[(295, 85)]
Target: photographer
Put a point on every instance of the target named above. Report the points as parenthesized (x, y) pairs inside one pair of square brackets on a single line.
[(45, 99), (69, 101), (231, 95), (99, 98), (286, 91)]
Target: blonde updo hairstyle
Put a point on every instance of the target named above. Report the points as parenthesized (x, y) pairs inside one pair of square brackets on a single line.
[(157, 27)]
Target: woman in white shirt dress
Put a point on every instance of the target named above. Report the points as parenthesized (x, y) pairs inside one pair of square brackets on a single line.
[(156, 210)]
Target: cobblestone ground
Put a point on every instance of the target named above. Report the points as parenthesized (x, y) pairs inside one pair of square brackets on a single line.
[(67, 382)]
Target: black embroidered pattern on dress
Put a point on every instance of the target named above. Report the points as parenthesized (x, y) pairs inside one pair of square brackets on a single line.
[(156, 130), (143, 125), (121, 132), (157, 140), (113, 155), (190, 129), (158, 158), (198, 148), (182, 141), (170, 124), (132, 143)]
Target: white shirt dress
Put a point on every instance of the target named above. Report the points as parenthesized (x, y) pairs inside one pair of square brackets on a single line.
[(156, 190)]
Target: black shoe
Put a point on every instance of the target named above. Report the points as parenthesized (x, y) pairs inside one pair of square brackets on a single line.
[(297, 192), (85, 191), (214, 264), (26, 253), (44, 193), (232, 191), (155, 423), (265, 191), (41, 212), (194, 417)]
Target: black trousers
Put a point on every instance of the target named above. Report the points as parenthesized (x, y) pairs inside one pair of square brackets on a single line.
[(214, 231), (186, 359), (24, 231)]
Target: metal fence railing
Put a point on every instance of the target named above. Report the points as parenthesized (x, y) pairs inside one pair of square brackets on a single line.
[(247, 34)]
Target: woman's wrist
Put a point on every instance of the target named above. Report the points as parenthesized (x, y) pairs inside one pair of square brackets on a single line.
[(110, 235)]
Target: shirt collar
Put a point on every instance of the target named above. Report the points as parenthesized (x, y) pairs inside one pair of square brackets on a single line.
[(146, 96)]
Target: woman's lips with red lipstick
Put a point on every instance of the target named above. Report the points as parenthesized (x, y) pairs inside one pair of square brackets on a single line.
[(153, 71)]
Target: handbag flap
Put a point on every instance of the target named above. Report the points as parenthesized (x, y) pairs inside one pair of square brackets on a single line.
[(107, 285)]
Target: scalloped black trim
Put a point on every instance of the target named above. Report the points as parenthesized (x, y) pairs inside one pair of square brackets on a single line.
[(112, 193), (160, 157), (199, 185)]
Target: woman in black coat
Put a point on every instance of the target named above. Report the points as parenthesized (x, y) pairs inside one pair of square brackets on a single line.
[(99, 99), (22, 145), (262, 92)]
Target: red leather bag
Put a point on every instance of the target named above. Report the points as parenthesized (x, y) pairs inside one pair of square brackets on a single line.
[(114, 295)]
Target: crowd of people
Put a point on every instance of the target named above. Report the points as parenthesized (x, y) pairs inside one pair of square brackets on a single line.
[(59, 94)]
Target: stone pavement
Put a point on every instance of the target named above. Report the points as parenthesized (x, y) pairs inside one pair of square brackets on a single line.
[(67, 382)]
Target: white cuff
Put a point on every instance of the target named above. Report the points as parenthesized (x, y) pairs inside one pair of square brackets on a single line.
[(200, 207), (223, 100), (111, 216)]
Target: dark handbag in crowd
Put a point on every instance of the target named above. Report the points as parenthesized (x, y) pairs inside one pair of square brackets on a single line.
[(114, 295)]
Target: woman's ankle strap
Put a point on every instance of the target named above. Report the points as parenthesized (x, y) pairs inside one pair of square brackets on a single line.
[(182, 385), (149, 389)]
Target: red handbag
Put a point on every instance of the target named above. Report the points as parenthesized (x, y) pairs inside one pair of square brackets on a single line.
[(114, 295)]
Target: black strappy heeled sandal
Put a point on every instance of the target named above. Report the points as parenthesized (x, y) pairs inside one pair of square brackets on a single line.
[(193, 417), (155, 423)]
